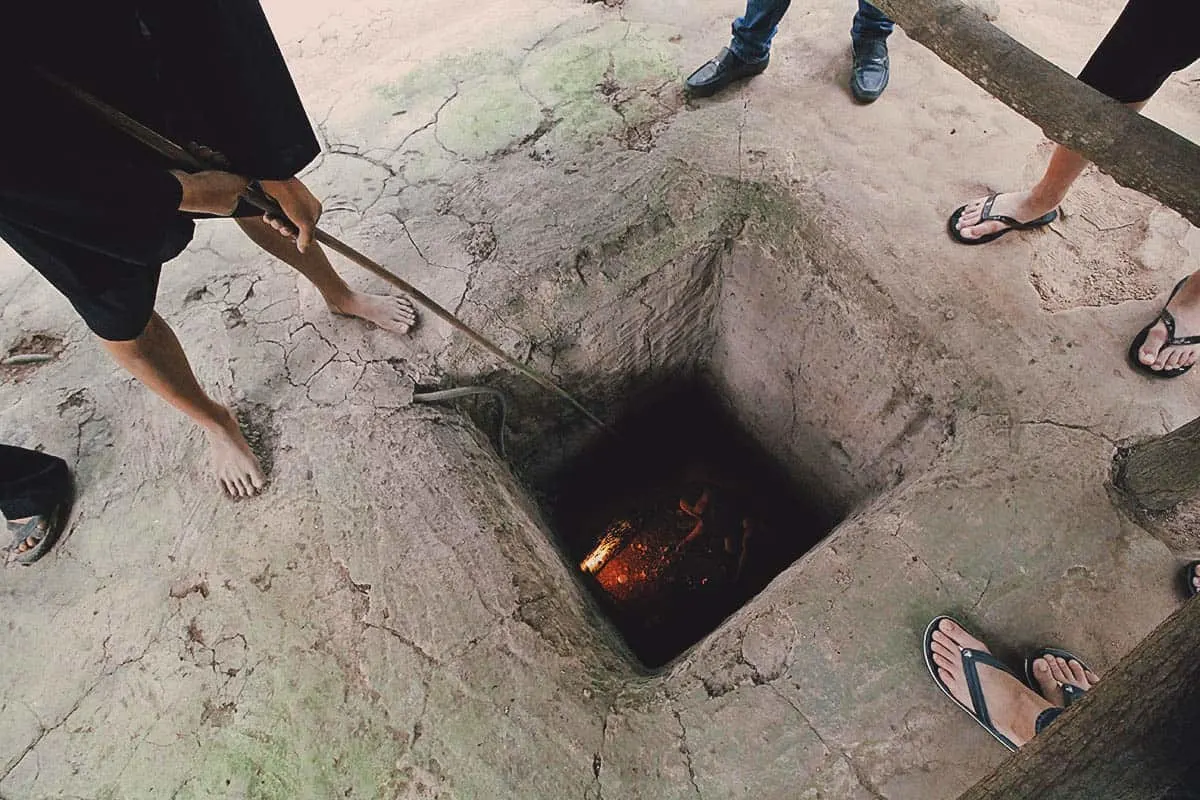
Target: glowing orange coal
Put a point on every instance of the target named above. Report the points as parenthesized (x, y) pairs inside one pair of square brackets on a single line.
[(615, 537)]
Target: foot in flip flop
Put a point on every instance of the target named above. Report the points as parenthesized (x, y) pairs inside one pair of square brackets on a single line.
[(981, 685), (32, 537), (988, 218), (1060, 677), (1170, 346)]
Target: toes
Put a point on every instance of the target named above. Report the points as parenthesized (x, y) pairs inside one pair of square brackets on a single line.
[(970, 214), (1043, 674), (1064, 672), (946, 651), (948, 628), (981, 230), (1172, 360), (944, 663), (1058, 669), (1078, 674), (947, 677), (405, 311), (943, 641), (957, 637), (1152, 347)]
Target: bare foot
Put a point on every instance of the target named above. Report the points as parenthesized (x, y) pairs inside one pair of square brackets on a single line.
[(1052, 673), (1185, 307), (236, 467), (390, 312), (1021, 206), (1013, 706)]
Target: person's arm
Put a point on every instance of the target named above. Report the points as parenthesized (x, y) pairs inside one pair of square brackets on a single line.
[(209, 192), (106, 206), (301, 208)]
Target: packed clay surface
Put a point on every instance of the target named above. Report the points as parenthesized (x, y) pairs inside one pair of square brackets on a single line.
[(395, 617)]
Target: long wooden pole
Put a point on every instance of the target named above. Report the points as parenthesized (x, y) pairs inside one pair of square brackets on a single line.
[(1135, 151), (1161, 473), (259, 199)]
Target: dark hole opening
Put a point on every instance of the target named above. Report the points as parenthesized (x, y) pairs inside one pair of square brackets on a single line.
[(679, 519)]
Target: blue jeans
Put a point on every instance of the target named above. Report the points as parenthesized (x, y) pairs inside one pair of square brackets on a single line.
[(753, 31)]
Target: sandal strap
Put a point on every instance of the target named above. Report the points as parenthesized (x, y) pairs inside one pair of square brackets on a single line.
[(970, 661), (35, 528), (1168, 319), (1071, 693), (985, 213)]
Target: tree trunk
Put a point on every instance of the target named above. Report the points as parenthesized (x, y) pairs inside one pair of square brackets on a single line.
[(1161, 473), (1131, 738), (1136, 152)]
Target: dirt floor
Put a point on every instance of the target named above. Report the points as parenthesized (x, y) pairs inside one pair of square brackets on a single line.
[(395, 617)]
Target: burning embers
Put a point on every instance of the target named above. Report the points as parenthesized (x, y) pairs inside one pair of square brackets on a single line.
[(680, 520), (615, 537), (716, 528)]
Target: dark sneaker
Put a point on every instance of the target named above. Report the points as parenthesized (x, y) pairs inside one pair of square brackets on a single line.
[(720, 72), (870, 75)]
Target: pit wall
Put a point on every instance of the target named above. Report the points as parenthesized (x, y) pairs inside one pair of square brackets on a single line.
[(620, 300), (681, 273), (821, 366), (816, 687)]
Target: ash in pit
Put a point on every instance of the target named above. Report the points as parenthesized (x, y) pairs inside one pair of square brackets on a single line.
[(679, 519)]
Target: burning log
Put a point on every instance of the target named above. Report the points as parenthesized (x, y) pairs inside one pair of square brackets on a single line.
[(615, 537)]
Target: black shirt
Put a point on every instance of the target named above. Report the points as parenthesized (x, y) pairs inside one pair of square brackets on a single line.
[(207, 72)]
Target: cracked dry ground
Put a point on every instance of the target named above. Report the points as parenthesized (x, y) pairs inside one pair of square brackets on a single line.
[(392, 619)]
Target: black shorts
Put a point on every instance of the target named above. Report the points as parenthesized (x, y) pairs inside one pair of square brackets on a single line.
[(115, 298), (1149, 41)]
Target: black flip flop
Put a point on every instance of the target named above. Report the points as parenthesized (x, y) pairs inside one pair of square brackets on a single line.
[(46, 528), (1167, 319), (988, 216), (1189, 586), (1071, 692), (970, 658)]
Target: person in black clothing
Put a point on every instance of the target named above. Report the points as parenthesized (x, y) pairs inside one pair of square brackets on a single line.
[(1150, 40), (98, 214), (35, 498)]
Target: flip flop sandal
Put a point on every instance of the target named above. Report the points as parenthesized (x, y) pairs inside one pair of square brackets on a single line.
[(1189, 586), (988, 216), (1167, 319), (46, 528), (1071, 692), (970, 659)]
